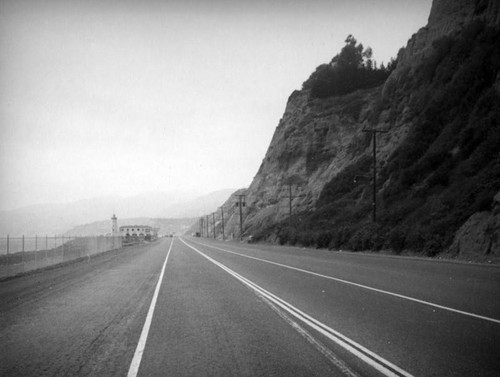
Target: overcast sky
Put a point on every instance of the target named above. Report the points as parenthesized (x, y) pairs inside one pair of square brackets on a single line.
[(123, 97)]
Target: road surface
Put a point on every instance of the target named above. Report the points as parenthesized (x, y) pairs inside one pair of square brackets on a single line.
[(193, 307)]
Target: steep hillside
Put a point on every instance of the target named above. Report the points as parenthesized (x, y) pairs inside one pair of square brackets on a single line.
[(438, 163)]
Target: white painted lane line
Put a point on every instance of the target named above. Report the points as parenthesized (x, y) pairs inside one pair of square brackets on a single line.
[(379, 363), (494, 320), (136, 361)]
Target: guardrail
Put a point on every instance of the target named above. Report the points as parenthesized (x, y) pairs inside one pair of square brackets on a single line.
[(21, 254)]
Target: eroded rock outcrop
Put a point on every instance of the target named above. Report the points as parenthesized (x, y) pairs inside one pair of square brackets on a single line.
[(446, 17), (480, 235), (314, 140)]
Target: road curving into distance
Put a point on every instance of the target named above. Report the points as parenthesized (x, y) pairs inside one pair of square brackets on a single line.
[(194, 307)]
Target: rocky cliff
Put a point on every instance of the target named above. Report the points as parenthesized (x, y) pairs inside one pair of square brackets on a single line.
[(479, 237), (314, 140), (435, 165), (446, 18)]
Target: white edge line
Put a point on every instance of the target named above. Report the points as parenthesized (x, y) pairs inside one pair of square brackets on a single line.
[(136, 361), (376, 361), (363, 286)]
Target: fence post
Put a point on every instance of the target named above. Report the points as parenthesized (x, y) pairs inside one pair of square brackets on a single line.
[(63, 248), (8, 240), (46, 251), (22, 254)]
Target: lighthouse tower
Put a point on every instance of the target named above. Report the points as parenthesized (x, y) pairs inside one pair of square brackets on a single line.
[(114, 226)]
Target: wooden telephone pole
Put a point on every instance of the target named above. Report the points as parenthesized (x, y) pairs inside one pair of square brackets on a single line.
[(374, 142), (241, 204), (222, 222), (213, 218), (290, 197)]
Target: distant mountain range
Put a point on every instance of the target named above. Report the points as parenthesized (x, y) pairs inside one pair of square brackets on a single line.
[(61, 217)]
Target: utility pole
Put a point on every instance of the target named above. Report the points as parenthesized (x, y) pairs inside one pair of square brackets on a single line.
[(374, 141), (290, 197), (213, 218), (208, 234), (241, 204), (222, 222)]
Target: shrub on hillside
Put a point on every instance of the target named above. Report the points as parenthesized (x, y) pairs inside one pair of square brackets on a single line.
[(353, 68)]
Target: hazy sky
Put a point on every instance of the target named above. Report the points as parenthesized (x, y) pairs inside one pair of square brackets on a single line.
[(121, 97)]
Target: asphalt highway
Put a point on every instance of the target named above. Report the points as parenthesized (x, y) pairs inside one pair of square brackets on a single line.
[(194, 307)]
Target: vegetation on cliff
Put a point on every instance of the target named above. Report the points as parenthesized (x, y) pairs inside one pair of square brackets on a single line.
[(447, 168), (353, 68)]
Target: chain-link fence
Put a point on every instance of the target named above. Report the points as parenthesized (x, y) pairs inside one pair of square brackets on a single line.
[(20, 254)]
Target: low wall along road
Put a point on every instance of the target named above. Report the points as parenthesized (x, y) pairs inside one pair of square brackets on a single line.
[(22, 254)]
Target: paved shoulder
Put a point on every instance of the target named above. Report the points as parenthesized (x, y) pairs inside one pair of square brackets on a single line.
[(80, 319)]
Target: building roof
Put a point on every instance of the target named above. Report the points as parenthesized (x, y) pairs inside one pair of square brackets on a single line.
[(136, 226)]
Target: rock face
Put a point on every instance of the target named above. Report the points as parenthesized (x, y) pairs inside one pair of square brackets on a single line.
[(308, 148), (446, 17), (480, 235), (314, 141)]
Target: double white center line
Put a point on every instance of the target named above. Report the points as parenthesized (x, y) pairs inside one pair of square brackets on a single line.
[(379, 363)]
